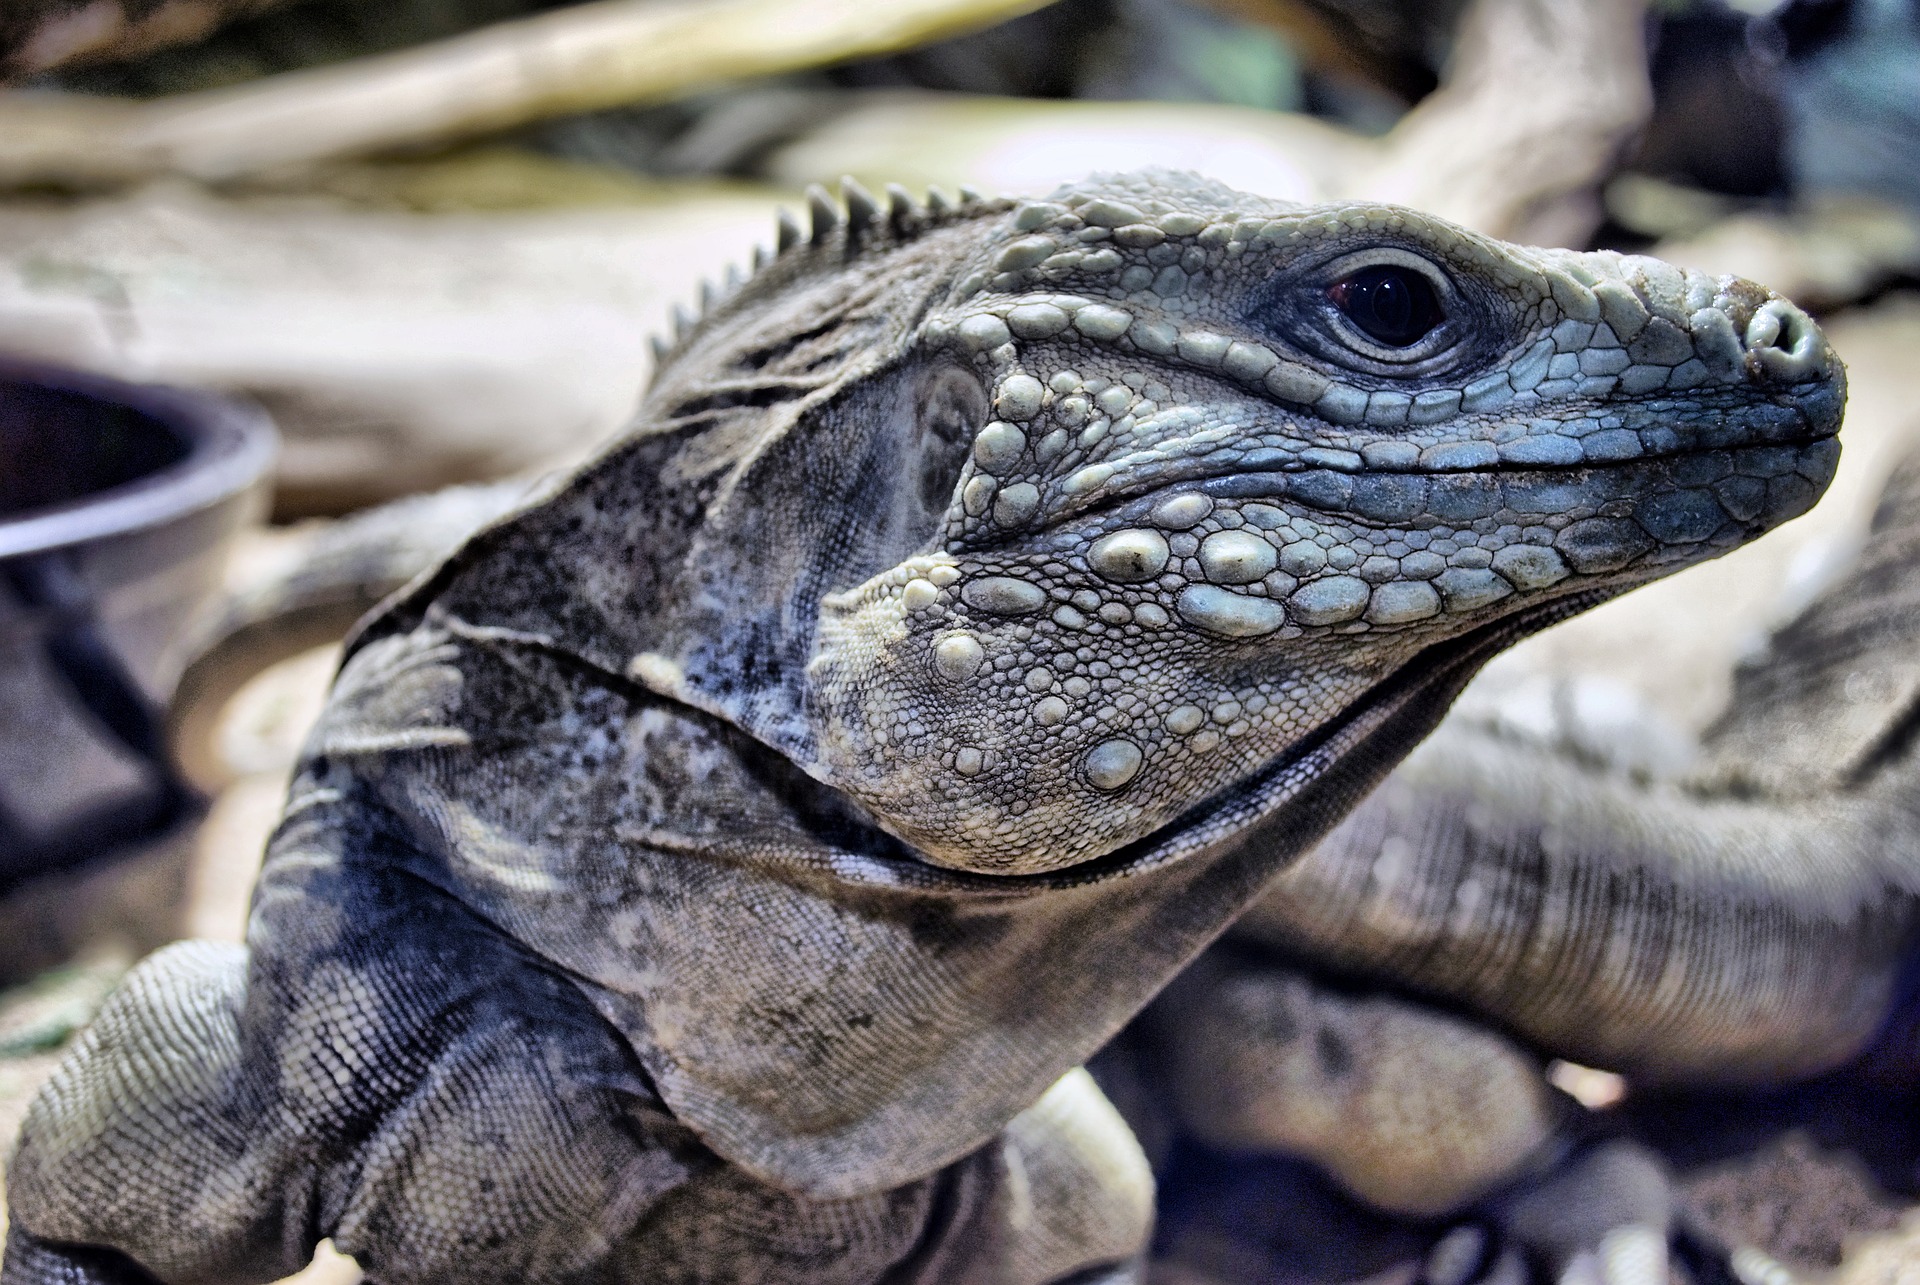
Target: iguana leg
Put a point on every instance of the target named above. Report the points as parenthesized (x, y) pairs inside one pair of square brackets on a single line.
[(1413, 1110), (151, 1139), (388, 1070), (31, 1259), (382, 1069)]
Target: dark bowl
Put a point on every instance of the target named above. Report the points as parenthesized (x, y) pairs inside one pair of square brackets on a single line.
[(118, 503)]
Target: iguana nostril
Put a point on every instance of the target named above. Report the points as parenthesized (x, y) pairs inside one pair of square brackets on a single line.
[(1784, 343)]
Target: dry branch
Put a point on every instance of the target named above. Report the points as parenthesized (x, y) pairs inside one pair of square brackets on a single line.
[(1541, 100), (580, 58)]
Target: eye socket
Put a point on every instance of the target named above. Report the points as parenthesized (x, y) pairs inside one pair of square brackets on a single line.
[(1391, 304)]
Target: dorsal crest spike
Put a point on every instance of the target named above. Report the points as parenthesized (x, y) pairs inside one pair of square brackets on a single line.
[(937, 201), (970, 195), (706, 296), (826, 215), (682, 322), (901, 207), (786, 231), (862, 209), (734, 280), (660, 350), (760, 257)]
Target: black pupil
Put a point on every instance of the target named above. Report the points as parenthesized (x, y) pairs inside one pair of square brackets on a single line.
[(1396, 306)]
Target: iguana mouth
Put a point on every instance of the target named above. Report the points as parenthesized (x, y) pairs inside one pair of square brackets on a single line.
[(1316, 488), (1311, 481), (1314, 481)]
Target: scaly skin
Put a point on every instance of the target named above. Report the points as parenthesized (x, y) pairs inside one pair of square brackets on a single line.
[(700, 875)]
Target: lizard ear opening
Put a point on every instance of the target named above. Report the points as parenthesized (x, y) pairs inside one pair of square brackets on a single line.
[(950, 407)]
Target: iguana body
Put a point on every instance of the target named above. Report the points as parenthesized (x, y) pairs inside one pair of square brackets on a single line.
[(699, 876)]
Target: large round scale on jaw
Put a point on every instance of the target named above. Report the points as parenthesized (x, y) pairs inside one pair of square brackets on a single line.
[(1129, 557), (957, 657), (1003, 596), (1112, 764), (998, 447), (1236, 557), (1182, 511), (1182, 719), (1231, 615)]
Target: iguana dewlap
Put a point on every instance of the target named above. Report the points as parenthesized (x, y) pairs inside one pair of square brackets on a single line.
[(704, 875)]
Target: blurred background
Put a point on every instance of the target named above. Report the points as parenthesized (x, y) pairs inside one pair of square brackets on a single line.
[(431, 239)]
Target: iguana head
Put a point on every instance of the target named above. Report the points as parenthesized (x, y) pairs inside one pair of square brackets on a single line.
[(1040, 528), (1207, 469)]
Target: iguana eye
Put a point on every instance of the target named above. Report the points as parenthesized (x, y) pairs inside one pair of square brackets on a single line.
[(1388, 311), (1389, 303)]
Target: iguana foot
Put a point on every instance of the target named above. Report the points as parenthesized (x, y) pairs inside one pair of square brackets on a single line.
[(1415, 1111), (1409, 1108), (1476, 1254), (148, 1136)]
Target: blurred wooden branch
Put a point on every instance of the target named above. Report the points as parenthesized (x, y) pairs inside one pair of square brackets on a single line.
[(39, 35), (1539, 103), (1541, 99), (580, 58)]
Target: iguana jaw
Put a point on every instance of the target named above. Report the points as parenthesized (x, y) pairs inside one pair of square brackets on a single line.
[(1052, 732)]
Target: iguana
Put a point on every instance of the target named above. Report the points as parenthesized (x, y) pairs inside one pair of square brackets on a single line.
[(715, 870)]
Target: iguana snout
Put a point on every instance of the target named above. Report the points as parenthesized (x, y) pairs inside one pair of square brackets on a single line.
[(1236, 469)]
